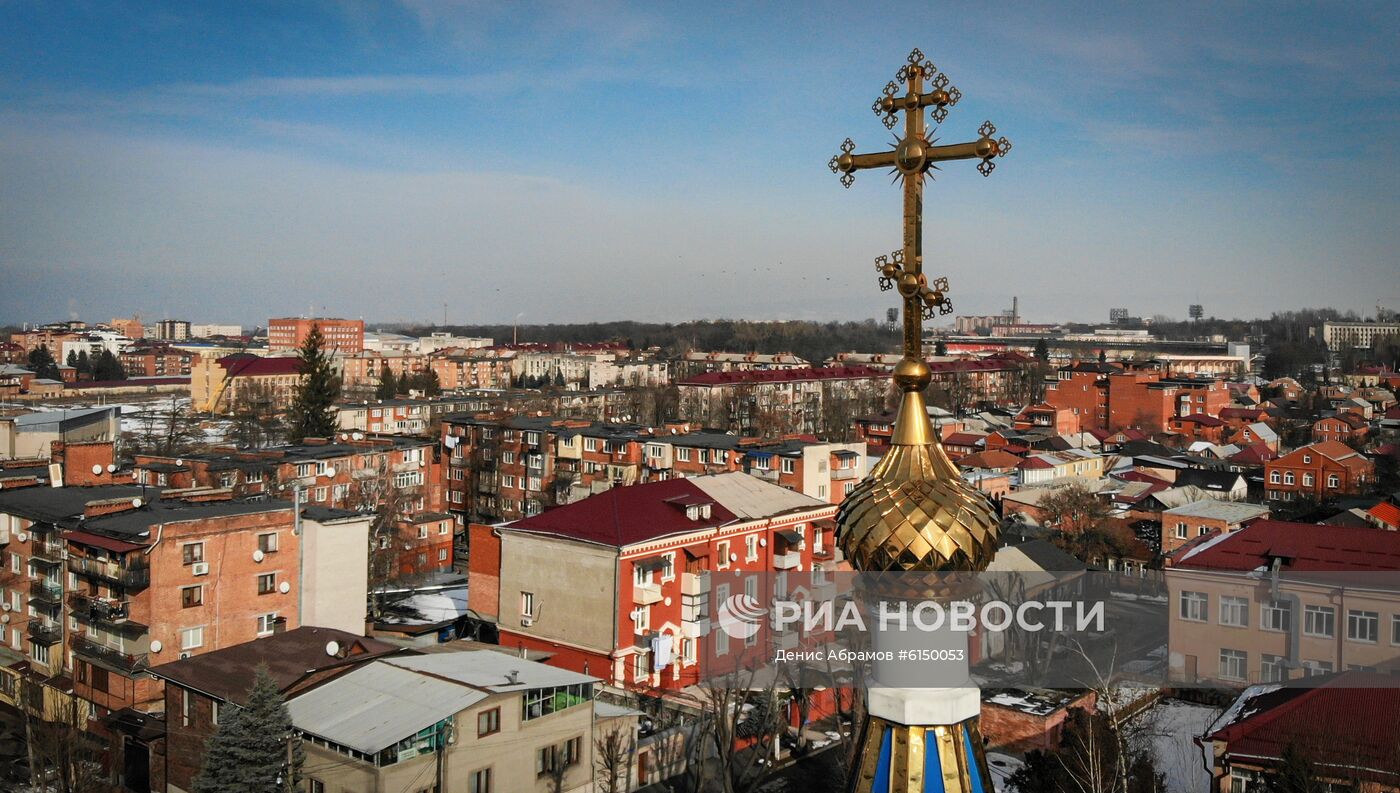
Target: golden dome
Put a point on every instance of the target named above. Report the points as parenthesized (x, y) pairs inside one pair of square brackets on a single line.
[(914, 512)]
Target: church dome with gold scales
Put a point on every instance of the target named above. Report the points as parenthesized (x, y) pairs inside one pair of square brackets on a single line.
[(914, 513)]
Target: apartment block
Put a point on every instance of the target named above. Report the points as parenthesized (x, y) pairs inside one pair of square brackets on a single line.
[(342, 336)]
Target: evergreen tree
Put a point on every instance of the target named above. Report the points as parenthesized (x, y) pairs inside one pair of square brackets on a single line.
[(72, 358), (107, 367), (1042, 350), (249, 752), (940, 347), (388, 387), (429, 383), (42, 364), (84, 365), (1293, 774), (1103, 356), (312, 414)]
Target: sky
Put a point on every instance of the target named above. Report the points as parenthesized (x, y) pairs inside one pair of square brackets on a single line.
[(598, 160)]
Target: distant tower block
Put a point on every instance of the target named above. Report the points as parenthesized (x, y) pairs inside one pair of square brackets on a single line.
[(892, 319), (1118, 315), (1196, 311)]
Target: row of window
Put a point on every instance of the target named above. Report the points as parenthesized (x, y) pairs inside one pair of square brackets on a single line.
[(1318, 621), (1287, 478)]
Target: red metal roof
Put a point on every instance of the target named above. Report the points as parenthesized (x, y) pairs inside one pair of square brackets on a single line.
[(1309, 547), (98, 541), (1386, 513), (787, 375), (253, 366), (625, 516), (1348, 721)]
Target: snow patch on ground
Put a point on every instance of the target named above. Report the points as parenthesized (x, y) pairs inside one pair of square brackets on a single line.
[(1168, 729)]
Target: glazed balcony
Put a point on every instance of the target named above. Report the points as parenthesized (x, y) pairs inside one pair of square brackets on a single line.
[(130, 574), (109, 656)]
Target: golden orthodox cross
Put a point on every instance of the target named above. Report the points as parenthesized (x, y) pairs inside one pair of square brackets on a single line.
[(912, 157)]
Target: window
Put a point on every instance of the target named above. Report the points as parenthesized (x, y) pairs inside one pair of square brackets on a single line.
[(1317, 667), (266, 622), (1319, 621), (315, 785), (1271, 669), (1234, 611), (1193, 606), (444, 528), (1395, 630), (488, 722), (1233, 664), (442, 554), (1333, 481), (191, 596), (267, 543), (527, 604), (185, 707), (479, 781), (572, 752), (590, 444), (639, 665), (751, 548), (789, 466), (1363, 626), (423, 532), (642, 619), (722, 551), (668, 566), (1274, 616), (507, 457), (192, 552), (192, 638), (1274, 478), (1307, 458), (1181, 531), (546, 760), (39, 652), (267, 583), (1288, 478)]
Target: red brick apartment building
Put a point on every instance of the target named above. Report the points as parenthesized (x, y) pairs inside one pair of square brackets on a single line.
[(344, 474), (505, 467), (621, 584), (158, 360), (344, 336), (1343, 428), (1318, 471), (1105, 396)]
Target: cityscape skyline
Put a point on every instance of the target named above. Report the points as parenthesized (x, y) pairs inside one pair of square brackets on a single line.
[(470, 155)]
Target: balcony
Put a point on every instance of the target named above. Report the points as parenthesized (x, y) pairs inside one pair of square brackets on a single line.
[(44, 631), (695, 583), (50, 551), (132, 575), (840, 474), (646, 594), (694, 629), (787, 561), (766, 474), (108, 656), (111, 615), (47, 593)]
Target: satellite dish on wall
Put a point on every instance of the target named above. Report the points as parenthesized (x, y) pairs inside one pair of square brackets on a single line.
[(112, 468), (4, 618), (137, 502), (332, 648), (257, 555), (156, 646), (179, 461), (284, 587), (359, 436), (97, 470), (7, 606)]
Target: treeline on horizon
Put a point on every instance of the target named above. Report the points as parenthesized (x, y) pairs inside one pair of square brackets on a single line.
[(1288, 333)]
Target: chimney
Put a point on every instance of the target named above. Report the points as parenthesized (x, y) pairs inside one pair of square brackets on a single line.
[(315, 441), (85, 463), (110, 506), (513, 676)]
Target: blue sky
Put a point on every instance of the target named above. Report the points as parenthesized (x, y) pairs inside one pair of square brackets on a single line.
[(595, 160)]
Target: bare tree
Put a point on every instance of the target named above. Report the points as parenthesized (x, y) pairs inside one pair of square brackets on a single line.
[(612, 760), (63, 756), (739, 728)]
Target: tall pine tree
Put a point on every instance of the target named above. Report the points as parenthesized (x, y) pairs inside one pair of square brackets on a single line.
[(107, 367), (249, 753), (312, 414), (42, 364), (388, 387)]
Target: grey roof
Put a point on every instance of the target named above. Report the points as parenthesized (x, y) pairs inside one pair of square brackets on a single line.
[(490, 671), (137, 522), (378, 705), (1228, 511), (30, 422), (55, 504), (751, 498)]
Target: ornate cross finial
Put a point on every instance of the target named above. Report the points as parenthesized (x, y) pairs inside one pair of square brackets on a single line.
[(911, 159)]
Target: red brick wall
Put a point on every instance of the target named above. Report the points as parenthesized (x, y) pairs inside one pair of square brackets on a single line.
[(484, 570)]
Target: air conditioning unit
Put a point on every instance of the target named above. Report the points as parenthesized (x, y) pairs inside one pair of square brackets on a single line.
[(527, 620), (183, 656), (200, 568)]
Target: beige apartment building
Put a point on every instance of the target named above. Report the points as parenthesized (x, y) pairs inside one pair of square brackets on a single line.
[(1277, 601), (481, 721)]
